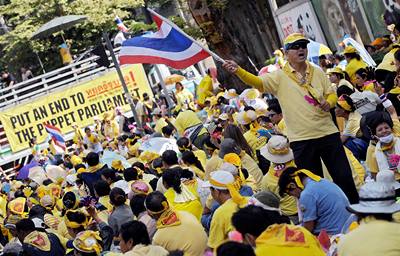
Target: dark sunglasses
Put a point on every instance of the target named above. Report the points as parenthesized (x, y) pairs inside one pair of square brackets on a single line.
[(296, 46)]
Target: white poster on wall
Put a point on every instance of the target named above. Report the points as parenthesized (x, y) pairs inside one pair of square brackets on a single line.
[(300, 18)]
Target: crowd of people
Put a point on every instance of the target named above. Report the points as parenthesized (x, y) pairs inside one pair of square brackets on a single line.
[(313, 170)]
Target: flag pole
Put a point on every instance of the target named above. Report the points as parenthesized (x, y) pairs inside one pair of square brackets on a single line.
[(213, 54), (121, 78)]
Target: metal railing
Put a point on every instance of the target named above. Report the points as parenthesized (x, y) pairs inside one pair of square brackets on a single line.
[(77, 72)]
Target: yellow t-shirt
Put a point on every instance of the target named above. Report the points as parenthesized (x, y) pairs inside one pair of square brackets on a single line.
[(269, 182), (287, 240), (187, 119), (161, 123), (193, 206), (201, 155), (221, 223), (304, 121), (254, 142), (251, 166), (189, 236), (352, 68), (213, 164), (282, 127), (376, 237), (352, 125), (205, 89)]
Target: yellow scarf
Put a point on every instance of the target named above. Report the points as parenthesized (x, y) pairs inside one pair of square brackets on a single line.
[(395, 90), (304, 82), (168, 218), (91, 168)]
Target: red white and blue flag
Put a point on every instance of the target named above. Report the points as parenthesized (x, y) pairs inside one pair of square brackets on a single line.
[(56, 135), (169, 46), (120, 25)]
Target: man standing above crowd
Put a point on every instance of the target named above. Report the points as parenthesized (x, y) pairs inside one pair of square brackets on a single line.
[(306, 97)]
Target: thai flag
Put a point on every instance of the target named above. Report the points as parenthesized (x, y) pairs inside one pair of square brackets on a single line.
[(120, 25), (169, 46), (56, 135)]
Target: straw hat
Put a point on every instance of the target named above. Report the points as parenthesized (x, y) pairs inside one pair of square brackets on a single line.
[(387, 177), (376, 197), (219, 177), (277, 150), (246, 117)]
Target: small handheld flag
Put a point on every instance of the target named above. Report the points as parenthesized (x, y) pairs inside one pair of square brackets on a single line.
[(120, 25), (169, 46), (56, 135)]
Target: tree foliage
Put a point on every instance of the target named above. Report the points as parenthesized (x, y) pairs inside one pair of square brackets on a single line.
[(24, 17)]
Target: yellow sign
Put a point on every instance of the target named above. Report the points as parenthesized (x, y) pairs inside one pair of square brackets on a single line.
[(78, 104)]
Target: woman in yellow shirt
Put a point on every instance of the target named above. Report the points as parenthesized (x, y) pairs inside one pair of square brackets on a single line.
[(354, 62), (194, 164), (180, 196)]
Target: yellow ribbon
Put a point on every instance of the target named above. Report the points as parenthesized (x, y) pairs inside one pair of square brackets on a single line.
[(344, 105), (233, 191), (74, 224), (88, 241)]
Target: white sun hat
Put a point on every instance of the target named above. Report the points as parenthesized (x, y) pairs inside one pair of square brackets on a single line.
[(376, 197), (219, 179), (246, 117), (277, 150)]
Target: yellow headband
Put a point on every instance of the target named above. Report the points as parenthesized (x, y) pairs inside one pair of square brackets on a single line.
[(74, 224), (282, 151), (233, 189), (165, 207), (307, 173)]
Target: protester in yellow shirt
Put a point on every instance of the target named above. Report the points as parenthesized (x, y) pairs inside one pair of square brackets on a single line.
[(223, 190), (271, 234), (135, 240), (306, 97), (248, 120), (377, 234), (228, 145), (159, 120), (354, 63), (180, 196), (190, 126), (184, 97), (204, 89), (176, 230), (336, 76), (278, 152)]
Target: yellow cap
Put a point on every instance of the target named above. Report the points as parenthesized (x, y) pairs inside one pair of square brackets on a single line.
[(294, 38), (336, 70), (349, 49)]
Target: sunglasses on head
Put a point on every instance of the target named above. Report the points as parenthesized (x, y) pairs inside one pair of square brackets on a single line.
[(298, 45)]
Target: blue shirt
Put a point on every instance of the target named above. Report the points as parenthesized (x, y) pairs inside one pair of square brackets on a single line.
[(324, 203)]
